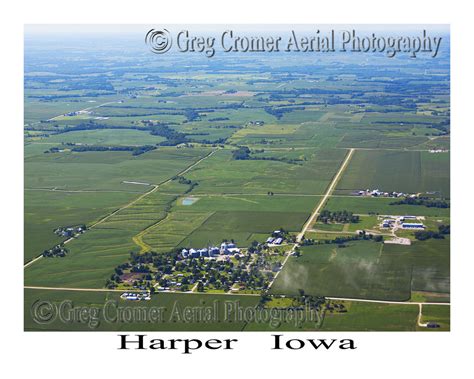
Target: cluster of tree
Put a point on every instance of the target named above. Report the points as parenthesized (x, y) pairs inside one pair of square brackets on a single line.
[(213, 142), (172, 136), (278, 112), (423, 235), (225, 126), (189, 182), (342, 240), (98, 83), (69, 231), (343, 217), (192, 115), (136, 150), (242, 153), (56, 251), (282, 159), (219, 119), (92, 125), (427, 202), (49, 98)]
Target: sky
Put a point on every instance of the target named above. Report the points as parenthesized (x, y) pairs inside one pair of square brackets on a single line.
[(90, 29)]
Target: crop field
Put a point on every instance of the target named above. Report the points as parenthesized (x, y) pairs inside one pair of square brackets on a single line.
[(438, 314), (221, 174), (368, 270), (47, 210), (240, 202), (107, 244), (105, 137), (381, 206), (132, 163), (415, 172), (109, 171), (371, 316), (359, 270), (243, 226)]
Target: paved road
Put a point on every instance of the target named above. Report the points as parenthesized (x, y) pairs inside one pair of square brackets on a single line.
[(316, 211), (129, 290), (86, 109), (385, 301), (328, 193), (241, 294)]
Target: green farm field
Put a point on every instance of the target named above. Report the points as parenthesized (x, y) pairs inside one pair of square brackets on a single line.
[(402, 171), (106, 170), (381, 206), (221, 174), (105, 137), (363, 316), (367, 270), (48, 210)]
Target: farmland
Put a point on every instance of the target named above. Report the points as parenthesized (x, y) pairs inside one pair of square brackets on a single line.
[(415, 172), (367, 270), (152, 157)]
